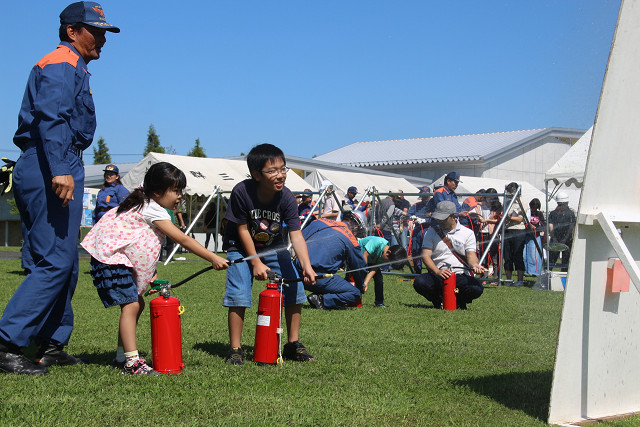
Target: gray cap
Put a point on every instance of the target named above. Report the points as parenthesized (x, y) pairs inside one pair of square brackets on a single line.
[(444, 210)]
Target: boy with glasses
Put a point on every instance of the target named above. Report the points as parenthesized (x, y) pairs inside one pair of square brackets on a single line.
[(258, 207)]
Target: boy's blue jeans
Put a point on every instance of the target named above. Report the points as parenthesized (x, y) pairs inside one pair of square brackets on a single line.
[(240, 279)]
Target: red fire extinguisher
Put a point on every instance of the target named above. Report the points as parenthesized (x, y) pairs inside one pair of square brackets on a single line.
[(166, 334), (449, 301), (357, 303), (268, 330)]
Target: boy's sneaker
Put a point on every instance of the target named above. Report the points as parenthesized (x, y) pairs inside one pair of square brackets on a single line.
[(138, 367), (296, 351), (519, 283), (235, 356)]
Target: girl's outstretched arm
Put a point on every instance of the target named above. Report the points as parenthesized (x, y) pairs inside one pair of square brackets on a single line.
[(190, 244)]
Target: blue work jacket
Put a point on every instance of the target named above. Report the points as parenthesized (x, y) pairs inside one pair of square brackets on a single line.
[(108, 198), (442, 194), (57, 110), (330, 245)]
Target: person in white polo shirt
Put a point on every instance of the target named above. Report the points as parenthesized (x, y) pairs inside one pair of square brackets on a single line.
[(449, 248)]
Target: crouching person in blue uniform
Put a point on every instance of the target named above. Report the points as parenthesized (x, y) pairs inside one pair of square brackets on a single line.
[(55, 124), (331, 244)]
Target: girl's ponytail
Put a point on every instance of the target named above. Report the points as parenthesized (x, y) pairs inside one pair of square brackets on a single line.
[(134, 201)]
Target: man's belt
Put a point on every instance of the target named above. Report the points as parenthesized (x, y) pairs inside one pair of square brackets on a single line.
[(76, 151), (72, 149)]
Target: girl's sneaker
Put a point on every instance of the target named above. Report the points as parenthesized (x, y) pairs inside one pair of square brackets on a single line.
[(138, 367)]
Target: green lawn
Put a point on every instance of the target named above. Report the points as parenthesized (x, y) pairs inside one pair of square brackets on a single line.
[(406, 364)]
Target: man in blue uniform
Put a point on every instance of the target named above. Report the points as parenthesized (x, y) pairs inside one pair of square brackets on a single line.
[(446, 192), (420, 209), (351, 199), (55, 124), (306, 206), (331, 245)]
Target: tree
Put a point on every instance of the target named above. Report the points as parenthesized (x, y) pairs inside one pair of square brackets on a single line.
[(101, 154), (153, 142), (197, 151)]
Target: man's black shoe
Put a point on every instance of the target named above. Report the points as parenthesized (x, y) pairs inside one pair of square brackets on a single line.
[(52, 354), (17, 363), (316, 301)]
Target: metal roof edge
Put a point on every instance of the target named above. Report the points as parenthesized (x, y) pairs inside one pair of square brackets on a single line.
[(311, 164), (472, 158), (543, 133)]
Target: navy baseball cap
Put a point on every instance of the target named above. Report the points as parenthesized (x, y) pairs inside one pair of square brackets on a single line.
[(87, 12), (306, 193), (352, 189), (424, 189), (455, 176), (112, 168)]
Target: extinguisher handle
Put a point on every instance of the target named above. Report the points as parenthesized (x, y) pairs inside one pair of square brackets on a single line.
[(159, 284)]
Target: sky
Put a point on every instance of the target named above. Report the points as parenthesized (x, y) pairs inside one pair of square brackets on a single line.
[(314, 76)]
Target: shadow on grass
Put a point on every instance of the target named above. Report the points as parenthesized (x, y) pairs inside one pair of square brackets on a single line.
[(529, 392), (219, 349), (19, 272), (104, 358), (429, 305)]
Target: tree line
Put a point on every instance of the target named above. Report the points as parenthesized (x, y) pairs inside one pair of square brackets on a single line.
[(101, 154)]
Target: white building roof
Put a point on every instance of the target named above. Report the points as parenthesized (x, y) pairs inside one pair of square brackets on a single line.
[(439, 149)]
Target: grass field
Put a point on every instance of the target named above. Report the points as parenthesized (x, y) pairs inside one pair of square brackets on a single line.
[(406, 364)]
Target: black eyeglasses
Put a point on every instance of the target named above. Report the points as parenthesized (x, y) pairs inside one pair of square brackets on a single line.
[(274, 172)]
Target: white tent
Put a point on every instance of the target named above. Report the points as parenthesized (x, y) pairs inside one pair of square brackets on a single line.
[(203, 174), (471, 184), (569, 169), (343, 180)]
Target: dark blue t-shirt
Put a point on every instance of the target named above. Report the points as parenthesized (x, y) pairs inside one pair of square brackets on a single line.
[(264, 221)]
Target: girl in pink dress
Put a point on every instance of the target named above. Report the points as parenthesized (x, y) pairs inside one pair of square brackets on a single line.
[(125, 247)]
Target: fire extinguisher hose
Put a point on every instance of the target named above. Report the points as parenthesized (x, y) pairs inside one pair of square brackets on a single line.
[(161, 283)]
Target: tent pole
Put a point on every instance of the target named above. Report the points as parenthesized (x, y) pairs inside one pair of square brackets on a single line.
[(206, 203), (362, 199), (547, 237), (215, 237)]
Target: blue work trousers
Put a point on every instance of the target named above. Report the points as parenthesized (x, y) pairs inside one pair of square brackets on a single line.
[(40, 309), (337, 292)]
